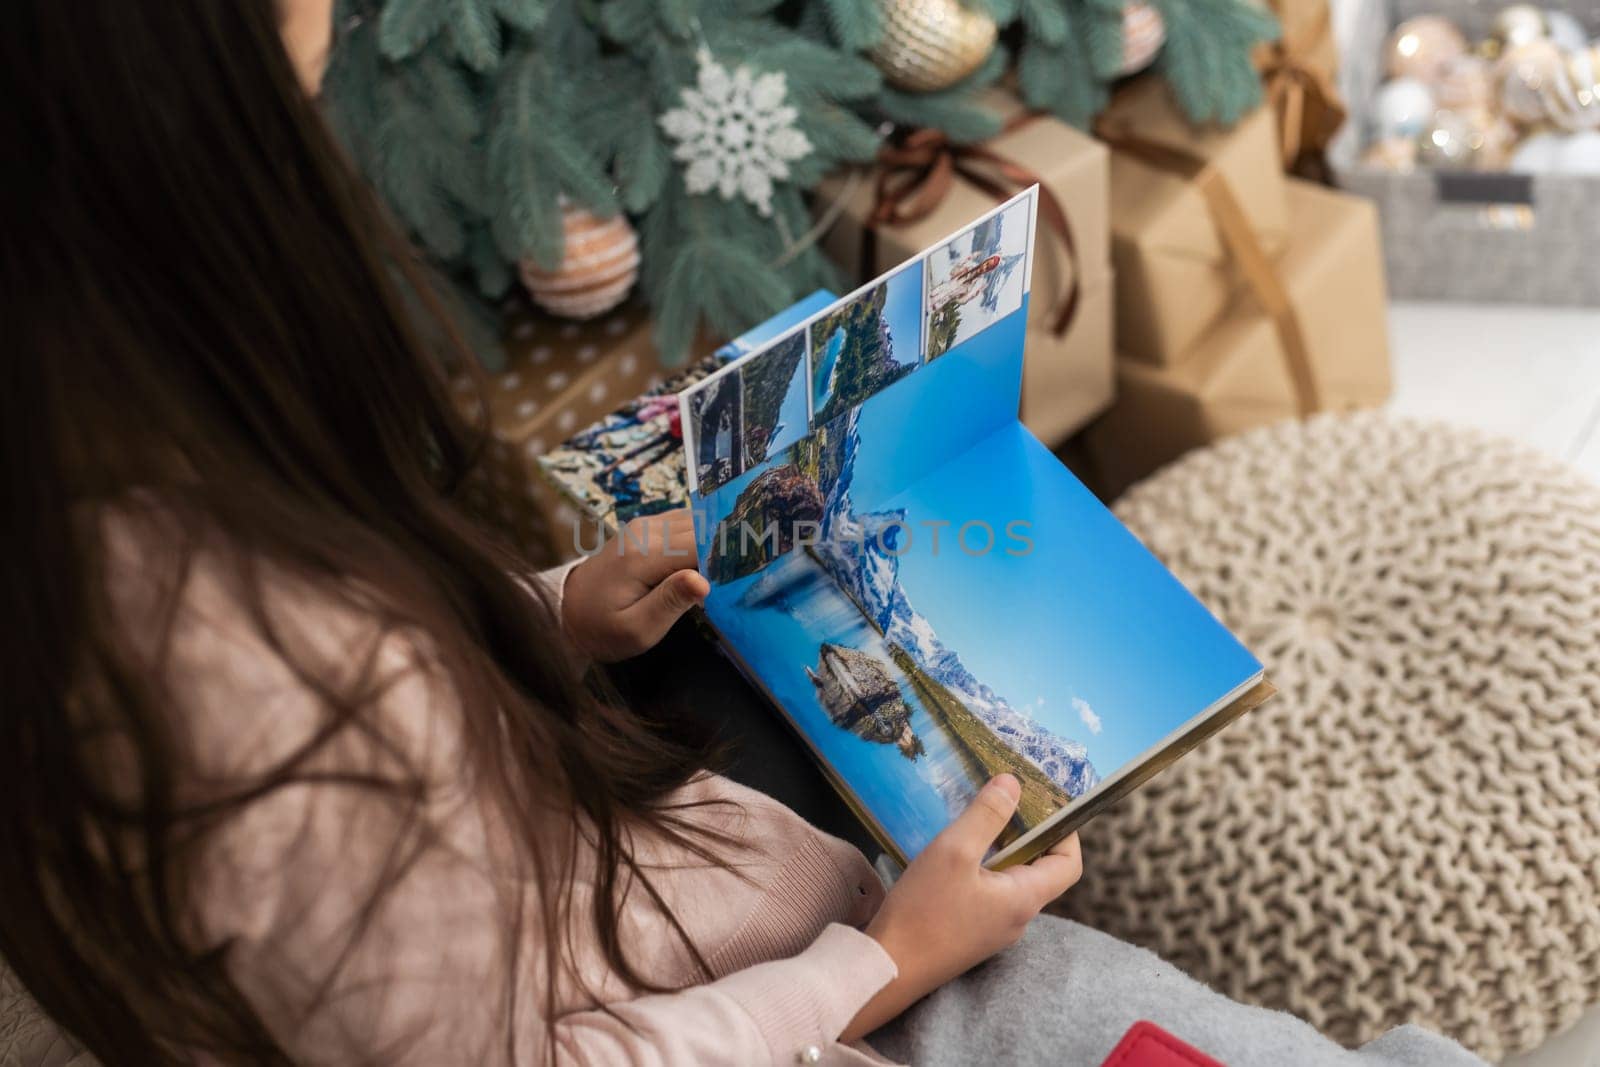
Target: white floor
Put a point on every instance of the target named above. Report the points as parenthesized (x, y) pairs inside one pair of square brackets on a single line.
[(1529, 373)]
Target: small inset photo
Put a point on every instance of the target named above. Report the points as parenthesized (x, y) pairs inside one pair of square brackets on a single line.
[(716, 430), (978, 278), (776, 408), (866, 344)]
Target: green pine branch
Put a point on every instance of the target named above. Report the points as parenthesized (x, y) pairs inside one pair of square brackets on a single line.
[(1206, 58), (477, 119)]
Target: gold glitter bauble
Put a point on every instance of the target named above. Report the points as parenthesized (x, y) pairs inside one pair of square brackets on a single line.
[(1143, 34), (1421, 47), (931, 44), (599, 265)]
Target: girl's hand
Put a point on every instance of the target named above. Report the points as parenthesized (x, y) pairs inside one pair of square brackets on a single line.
[(947, 913), (624, 598)]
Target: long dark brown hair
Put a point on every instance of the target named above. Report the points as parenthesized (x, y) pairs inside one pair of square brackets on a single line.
[(207, 318)]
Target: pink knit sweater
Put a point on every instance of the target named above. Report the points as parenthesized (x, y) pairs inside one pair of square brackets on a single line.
[(424, 984)]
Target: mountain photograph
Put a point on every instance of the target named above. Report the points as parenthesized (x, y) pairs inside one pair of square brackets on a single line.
[(775, 411), (866, 344)]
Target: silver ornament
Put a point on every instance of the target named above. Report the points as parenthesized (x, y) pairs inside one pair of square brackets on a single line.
[(1518, 25)]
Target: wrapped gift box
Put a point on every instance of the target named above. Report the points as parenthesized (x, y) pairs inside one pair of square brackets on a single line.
[(1299, 73), (1175, 277), (559, 376), (1237, 376), (1068, 376), (1068, 380), (630, 462)]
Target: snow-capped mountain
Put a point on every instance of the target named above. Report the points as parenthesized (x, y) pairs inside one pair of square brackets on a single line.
[(858, 551)]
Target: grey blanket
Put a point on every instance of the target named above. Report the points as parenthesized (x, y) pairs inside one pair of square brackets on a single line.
[(1066, 994)]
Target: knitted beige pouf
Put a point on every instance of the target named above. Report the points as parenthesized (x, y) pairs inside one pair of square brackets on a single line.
[(1411, 829)]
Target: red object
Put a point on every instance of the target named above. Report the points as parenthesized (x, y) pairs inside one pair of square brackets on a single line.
[(1147, 1045)]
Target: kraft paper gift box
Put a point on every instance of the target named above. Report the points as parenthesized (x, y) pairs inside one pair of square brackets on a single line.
[(559, 376), (1067, 377), (1299, 73), (1067, 381), (1238, 376), (1175, 277)]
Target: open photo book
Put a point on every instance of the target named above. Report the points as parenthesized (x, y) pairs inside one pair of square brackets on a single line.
[(918, 584)]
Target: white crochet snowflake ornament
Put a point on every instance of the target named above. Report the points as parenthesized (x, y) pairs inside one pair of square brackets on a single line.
[(735, 132)]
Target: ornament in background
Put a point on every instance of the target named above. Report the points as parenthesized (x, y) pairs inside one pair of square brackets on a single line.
[(1466, 141), (1422, 47), (1528, 96), (1528, 75), (1500, 137), (1540, 153), (1465, 83), (736, 132), (1581, 153), (1553, 152), (599, 264), (1517, 25), (929, 45), (1451, 143), (1565, 31), (1403, 108), (1143, 34), (1583, 66)]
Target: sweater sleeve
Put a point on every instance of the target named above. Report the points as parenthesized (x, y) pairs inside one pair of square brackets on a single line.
[(769, 1013), (449, 966), (371, 925)]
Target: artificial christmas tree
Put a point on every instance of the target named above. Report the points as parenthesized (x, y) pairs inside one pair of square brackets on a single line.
[(484, 123)]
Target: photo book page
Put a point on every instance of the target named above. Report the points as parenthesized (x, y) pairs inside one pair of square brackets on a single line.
[(919, 585)]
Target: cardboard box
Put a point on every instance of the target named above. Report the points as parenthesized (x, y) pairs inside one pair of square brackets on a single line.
[(1175, 277), (1237, 377), (1068, 378), (1067, 381), (559, 376), (1299, 73)]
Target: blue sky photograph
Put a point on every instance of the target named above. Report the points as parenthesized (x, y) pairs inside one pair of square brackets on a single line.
[(1088, 633)]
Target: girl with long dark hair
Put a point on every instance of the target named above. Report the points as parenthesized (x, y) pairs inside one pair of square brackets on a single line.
[(299, 764)]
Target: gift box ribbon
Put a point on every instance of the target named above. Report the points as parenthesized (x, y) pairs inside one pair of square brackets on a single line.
[(916, 173), (1240, 240), (1307, 105)]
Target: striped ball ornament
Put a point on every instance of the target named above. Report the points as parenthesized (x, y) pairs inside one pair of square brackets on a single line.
[(599, 266), (1143, 34)]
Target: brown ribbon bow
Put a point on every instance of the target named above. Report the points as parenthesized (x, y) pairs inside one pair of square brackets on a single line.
[(1240, 240), (916, 173), (1303, 97)]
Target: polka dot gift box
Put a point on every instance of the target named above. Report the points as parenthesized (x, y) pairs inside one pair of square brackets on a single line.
[(560, 376)]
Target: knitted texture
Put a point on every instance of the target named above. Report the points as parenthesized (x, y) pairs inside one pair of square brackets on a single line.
[(1410, 831)]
